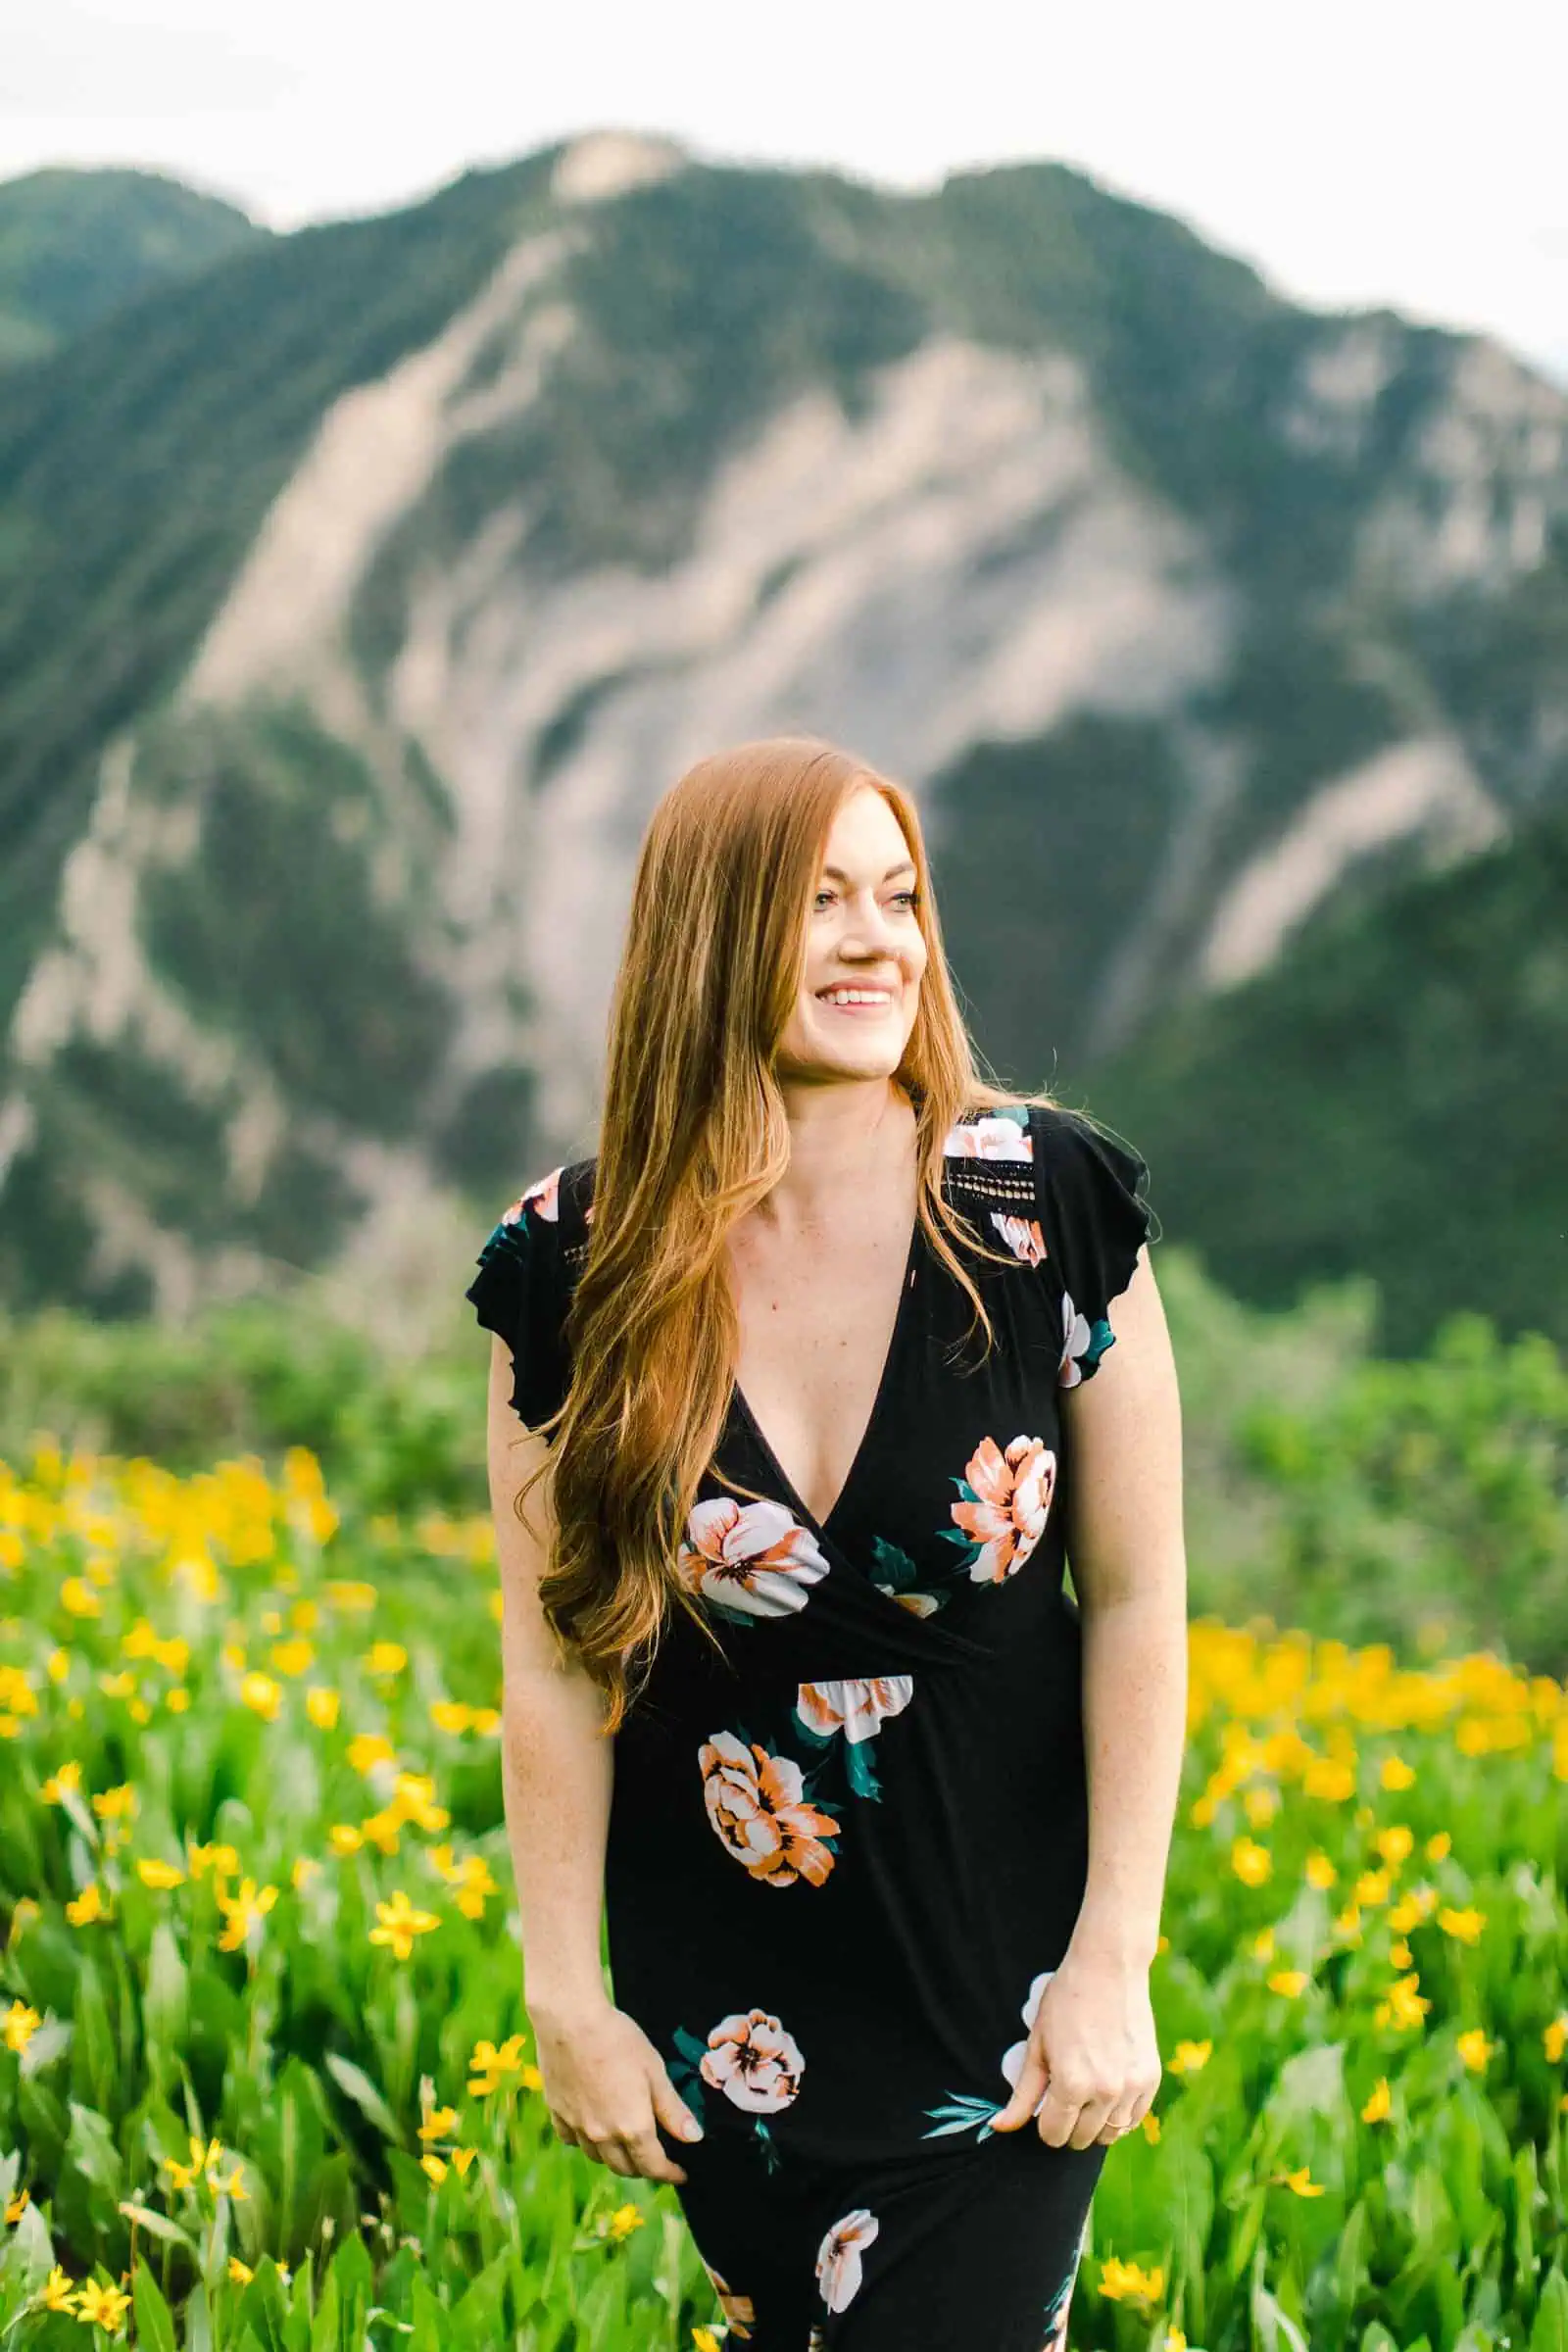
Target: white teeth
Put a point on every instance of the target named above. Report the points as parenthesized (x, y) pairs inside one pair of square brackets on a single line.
[(856, 995)]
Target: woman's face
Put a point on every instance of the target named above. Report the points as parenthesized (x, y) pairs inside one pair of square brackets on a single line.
[(862, 934)]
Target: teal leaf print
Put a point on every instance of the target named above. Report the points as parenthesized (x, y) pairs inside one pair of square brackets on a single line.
[(965, 2115)]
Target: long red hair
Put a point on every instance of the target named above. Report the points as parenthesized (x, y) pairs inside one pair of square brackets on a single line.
[(693, 1135)]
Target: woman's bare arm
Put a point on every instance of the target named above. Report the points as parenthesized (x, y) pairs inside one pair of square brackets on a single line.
[(1129, 1569), (606, 2085), (556, 1770)]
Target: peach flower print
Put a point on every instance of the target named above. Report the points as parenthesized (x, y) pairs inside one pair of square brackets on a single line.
[(752, 1556), (738, 2310), (545, 1196), (753, 2062), (989, 1137), (757, 1807), (1006, 1501), (1022, 1236), (857, 1708), (838, 2260)]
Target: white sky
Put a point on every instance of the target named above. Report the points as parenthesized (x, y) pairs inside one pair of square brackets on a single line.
[(1356, 150)]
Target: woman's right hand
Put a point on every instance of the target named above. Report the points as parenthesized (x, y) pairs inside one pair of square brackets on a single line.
[(607, 2089)]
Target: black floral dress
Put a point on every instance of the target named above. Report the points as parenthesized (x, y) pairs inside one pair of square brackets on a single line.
[(844, 1860)]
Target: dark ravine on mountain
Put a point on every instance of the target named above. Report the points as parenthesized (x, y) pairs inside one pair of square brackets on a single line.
[(361, 588)]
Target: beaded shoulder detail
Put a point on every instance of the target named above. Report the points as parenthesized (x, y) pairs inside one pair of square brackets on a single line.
[(988, 1169)]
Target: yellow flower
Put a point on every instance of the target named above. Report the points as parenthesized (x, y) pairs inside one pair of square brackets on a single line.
[(101, 2306), (1395, 1773), (1321, 1871), (438, 2123), (18, 2205), (1289, 1980), (1189, 2057), (1152, 2127), (1251, 1862), (240, 2271), (58, 2291), (321, 1704), (305, 1867), (1380, 2106), (78, 1599), (385, 1657), (243, 1910), (1300, 2182), (154, 1871), (623, 2221), (1554, 2037), (20, 2024), (1372, 1886), (1263, 1945), (703, 2340), (295, 1656), (68, 1777), (349, 1593), (451, 1715), (1329, 1777), (222, 1860), (1399, 1954), (343, 1838), (88, 1906), (401, 1922), (1404, 2007), (1474, 2050), (435, 2167), (1464, 1926), (463, 2158), (115, 1805), (369, 1748), (1394, 1844), (261, 1694), (489, 2066), (1125, 2281)]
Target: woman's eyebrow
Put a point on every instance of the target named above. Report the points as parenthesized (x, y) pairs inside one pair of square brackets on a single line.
[(836, 873)]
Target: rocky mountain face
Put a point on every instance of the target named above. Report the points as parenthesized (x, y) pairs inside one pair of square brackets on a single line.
[(359, 596)]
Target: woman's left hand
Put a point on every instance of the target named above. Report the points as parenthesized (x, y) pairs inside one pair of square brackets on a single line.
[(1091, 2051)]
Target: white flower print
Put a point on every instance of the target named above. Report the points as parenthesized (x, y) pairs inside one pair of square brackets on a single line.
[(753, 2062), (1022, 1236), (752, 1556), (1076, 1334), (838, 2260), (1012, 2059), (858, 1708), (989, 1137)]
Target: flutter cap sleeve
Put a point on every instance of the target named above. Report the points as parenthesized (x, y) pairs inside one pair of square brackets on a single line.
[(521, 1293), (1094, 1215)]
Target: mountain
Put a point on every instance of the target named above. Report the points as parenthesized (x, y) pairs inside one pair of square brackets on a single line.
[(76, 245), (359, 597)]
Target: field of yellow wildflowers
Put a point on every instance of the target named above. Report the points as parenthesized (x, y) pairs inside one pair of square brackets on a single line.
[(265, 2069)]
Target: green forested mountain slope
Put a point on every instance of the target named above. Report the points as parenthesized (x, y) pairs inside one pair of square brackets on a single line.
[(359, 596), (1393, 1098), (75, 244)]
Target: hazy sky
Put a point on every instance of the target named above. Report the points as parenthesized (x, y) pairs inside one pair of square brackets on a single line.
[(1357, 153)]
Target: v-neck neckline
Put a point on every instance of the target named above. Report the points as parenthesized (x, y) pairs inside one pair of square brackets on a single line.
[(821, 1528)]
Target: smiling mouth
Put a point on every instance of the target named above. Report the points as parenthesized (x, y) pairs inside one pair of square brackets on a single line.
[(880, 1001)]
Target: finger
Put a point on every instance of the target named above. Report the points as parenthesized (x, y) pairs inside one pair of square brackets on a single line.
[(1032, 2081), (562, 2131), (1058, 2119), (647, 2157), (611, 2154), (671, 2109), (1093, 2117)]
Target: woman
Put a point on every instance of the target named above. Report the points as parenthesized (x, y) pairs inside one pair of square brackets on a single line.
[(817, 1364)]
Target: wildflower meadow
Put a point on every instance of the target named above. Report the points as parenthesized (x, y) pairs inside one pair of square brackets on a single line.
[(266, 2080)]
